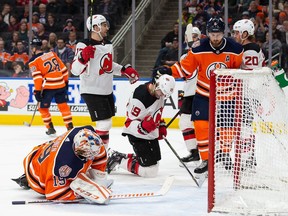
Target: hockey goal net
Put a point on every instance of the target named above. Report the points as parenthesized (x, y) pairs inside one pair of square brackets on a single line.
[(248, 143)]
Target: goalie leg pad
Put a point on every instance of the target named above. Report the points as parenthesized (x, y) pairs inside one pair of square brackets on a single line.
[(90, 190)]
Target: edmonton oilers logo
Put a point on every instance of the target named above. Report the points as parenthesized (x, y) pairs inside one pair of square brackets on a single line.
[(214, 66)]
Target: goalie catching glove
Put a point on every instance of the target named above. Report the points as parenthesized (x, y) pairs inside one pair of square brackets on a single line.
[(90, 190), (130, 73)]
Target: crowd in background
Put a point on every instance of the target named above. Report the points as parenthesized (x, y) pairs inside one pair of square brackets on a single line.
[(58, 23), (198, 12)]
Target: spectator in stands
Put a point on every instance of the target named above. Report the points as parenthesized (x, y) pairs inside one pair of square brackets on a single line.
[(52, 40), (238, 6), (45, 47), (69, 26), (53, 7), (52, 25), (35, 22), (166, 43), (13, 23), (109, 9), (72, 41), (6, 12), (25, 15), (66, 54), (172, 55), (19, 70), (42, 34), (69, 7), (282, 16), (3, 25), (4, 55), (20, 53), (23, 31), (215, 4), (260, 27), (201, 19), (42, 14), (276, 46), (11, 42), (253, 9)]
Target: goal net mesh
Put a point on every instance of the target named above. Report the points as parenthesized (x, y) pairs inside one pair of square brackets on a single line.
[(249, 134)]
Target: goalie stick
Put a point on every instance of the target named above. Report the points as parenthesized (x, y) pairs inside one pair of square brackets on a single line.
[(164, 189)]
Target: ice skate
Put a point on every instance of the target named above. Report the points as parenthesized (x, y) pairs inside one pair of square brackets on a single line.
[(114, 159), (51, 130)]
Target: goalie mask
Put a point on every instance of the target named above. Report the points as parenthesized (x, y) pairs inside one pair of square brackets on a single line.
[(87, 144), (166, 84), (96, 20)]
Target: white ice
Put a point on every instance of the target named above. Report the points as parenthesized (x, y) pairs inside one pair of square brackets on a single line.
[(184, 197)]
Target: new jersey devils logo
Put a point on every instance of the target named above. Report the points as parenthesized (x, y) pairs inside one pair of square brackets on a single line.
[(106, 63)]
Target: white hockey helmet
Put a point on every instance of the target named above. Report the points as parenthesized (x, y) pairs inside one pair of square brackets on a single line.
[(166, 84), (244, 25), (195, 30), (87, 144), (97, 19)]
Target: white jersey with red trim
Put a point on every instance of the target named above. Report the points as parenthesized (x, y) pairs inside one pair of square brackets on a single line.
[(141, 104), (253, 57), (96, 76)]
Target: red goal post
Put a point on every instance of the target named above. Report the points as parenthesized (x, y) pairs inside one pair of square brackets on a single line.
[(248, 143)]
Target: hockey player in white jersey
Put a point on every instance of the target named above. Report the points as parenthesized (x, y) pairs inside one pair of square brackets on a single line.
[(253, 57), (93, 63), (144, 127)]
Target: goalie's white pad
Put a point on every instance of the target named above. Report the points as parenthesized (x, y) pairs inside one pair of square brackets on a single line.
[(90, 190), (100, 177)]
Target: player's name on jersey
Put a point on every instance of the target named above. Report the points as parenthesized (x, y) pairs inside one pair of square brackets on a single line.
[(54, 108)]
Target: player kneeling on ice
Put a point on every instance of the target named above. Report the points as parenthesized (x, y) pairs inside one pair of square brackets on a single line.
[(70, 167), (144, 127)]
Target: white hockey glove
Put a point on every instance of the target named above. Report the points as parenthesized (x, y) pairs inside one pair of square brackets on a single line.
[(90, 190), (100, 177)]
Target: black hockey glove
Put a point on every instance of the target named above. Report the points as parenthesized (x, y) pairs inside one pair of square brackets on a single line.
[(157, 72), (38, 95)]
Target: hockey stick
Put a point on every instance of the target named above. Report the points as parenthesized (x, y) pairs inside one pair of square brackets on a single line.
[(174, 117), (164, 189), (203, 177), (36, 108)]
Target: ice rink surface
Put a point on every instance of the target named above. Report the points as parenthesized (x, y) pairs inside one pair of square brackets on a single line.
[(183, 199)]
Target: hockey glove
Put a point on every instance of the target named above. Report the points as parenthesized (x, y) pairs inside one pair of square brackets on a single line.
[(157, 72), (87, 53), (130, 73), (147, 125), (38, 95), (162, 130)]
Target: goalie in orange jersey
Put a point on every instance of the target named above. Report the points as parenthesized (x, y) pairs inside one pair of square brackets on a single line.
[(213, 52), (58, 168), (49, 67)]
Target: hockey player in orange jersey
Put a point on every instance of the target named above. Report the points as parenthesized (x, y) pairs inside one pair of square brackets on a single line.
[(213, 52), (76, 159), (49, 67)]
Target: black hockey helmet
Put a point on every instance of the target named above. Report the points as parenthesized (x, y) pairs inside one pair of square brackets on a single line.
[(215, 24), (36, 42)]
